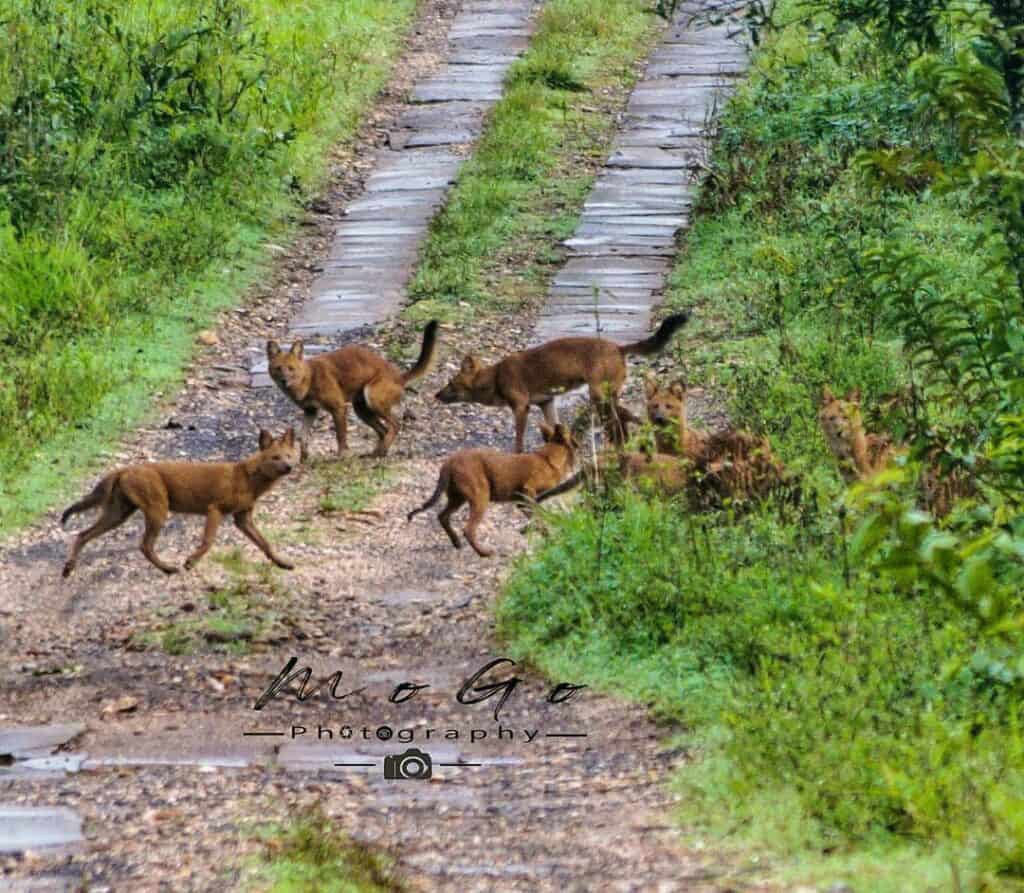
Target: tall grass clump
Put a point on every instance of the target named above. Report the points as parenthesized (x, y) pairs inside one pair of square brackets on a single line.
[(146, 149)]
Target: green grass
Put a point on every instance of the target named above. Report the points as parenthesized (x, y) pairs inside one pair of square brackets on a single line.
[(348, 485), (135, 228), (229, 619), (493, 246), (833, 720), (851, 681), (309, 855)]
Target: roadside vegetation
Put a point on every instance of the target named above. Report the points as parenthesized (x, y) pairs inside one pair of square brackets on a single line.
[(518, 196), (851, 672), (309, 855), (147, 150)]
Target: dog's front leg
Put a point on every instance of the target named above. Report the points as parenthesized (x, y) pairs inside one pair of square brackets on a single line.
[(244, 522), (308, 420), (522, 414), (340, 416), (213, 518)]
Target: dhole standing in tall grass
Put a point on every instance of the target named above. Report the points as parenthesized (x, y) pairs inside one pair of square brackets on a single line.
[(213, 489)]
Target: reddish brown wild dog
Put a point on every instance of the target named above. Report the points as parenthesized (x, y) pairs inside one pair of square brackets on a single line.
[(861, 454), (734, 463), (537, 376), (213, 489), (353, 374), (481, 477)]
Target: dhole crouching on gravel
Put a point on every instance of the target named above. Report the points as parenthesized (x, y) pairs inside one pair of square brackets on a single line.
[(352, 374), (213, 489), (481, 477), (537, 376)]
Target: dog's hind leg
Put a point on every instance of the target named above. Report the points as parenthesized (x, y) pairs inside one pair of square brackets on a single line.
[(476, 515), (455, 502), (378, 399), (213, 518), (114, 514), (156, 517)]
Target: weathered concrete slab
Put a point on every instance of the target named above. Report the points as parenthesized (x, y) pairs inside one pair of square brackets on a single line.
[(375, 247), (45, 828), (620, 252), (23, 742)]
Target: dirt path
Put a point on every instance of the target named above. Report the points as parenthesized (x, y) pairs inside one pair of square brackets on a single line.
[(169, 787)]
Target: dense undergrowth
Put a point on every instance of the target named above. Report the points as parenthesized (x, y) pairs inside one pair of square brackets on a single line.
[(519, 193), (146, 151), (853, 671)]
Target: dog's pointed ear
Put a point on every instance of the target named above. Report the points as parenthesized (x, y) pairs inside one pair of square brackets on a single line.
[(266, 439), (273, 349), (289, 436), (547, 432), (826, 394), (678, 389), (469, 364), (298, 349), (853, 395), (650, 385)]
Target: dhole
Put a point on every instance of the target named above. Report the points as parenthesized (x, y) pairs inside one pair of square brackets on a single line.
[(352, 374), (214, 489), (537, 376), (733, 463), (862, 455), (481, 477)]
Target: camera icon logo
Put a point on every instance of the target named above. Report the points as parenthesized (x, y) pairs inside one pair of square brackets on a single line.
[(414, 763)]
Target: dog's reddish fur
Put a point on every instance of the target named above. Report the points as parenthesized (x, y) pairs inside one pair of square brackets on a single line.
[(862, 454), (353, 374), (734, 462), (481, 477), (537, 376), (213, 489)]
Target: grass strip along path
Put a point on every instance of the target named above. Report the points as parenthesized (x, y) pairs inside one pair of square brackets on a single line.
[(493, 246)]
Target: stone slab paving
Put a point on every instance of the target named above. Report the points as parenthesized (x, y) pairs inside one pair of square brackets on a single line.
[(376, 246), (621, 252)]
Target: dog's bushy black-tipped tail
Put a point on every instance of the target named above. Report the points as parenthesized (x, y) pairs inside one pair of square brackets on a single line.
[(570, 483), (660, 339), (427, 354), (442, 485), (92, 500)]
